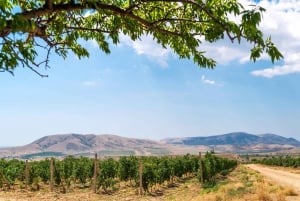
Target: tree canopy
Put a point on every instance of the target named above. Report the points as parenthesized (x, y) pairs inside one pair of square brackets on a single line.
[(29, 27)]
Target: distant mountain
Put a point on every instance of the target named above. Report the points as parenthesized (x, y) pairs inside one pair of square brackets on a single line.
[(276, 139), (236, 139), (77, 144), (113, 145)]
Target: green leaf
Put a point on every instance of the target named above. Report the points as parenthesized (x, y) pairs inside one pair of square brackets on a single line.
[(28, 27)]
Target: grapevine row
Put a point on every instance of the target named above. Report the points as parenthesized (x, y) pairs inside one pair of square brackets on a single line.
[(286, 161), (131, 170)]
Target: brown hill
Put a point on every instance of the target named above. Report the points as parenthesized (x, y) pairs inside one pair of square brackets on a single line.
[(113, 145), (76, 144)]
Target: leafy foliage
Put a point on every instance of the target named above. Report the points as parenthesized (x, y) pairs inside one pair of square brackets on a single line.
[(79, 171), (109, 170), (213, 165), (10, 171), (40, 170), (128, 168), (285, 161), (27, 28)]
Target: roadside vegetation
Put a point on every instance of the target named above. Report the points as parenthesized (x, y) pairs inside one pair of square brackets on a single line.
[(284, 161), (247, 184)]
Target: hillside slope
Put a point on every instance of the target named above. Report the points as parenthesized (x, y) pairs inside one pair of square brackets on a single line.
[(236, 138), (77, 144), (113, 145)]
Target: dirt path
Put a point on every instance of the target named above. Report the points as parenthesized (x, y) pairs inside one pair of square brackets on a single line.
[(279, 176)]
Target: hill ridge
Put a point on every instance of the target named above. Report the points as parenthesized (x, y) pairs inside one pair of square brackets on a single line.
[(234, 138), (114, 145)]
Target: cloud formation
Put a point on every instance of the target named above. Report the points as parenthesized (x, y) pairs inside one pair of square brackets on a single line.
[(207, 81), (225, 52), (281, 22), (89, 83), (148, 47), (276, 71)]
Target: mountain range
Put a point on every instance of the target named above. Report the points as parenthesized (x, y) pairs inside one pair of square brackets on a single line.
[(113, 145), (237, 138)]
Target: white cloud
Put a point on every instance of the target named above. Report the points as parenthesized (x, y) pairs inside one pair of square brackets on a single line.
[(225, 52), (207, 81), (89, 83), (281, 22), (93, 44), (277, 70), (148, 47)]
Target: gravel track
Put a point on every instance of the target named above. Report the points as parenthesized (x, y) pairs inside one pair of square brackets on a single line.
[(279, 176)]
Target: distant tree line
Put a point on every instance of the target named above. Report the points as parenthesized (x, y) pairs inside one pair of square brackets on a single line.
[(286, 161)]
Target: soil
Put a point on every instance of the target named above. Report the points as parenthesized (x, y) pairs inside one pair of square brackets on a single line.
[(280, 176), (187, 190)]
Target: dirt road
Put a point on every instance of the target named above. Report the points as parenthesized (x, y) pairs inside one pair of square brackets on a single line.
[(281, 177)]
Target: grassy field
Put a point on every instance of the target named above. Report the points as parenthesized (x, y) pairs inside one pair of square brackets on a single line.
[(241, 184)]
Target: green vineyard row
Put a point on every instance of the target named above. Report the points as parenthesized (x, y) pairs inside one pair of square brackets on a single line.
[(105, 174), (285, 161)]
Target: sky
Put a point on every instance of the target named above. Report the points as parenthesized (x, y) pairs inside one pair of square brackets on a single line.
[(141, 90)]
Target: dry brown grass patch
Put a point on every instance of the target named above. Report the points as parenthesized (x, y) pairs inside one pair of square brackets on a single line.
[(290, 191), (263, 196), (281, 197)]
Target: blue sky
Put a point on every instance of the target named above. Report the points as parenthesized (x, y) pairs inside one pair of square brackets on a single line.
[(141, 90)]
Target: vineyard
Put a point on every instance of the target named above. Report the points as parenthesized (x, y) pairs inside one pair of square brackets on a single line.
[(285, 161), (106, 175)]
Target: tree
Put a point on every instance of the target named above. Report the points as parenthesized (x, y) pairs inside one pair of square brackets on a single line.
[(28, 27)]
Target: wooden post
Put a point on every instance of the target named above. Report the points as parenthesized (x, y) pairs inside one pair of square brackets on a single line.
[(51, 174), (95, 174), (141, 177), (26, 174), (237, 158), (200, 168)]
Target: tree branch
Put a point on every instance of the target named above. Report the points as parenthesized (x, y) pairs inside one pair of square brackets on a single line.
[(88, 29), (49, 4)]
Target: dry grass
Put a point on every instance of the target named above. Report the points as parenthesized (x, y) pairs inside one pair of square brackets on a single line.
[(270, 191), (247, 184), (262, 195), (290, 191), (281, 197)]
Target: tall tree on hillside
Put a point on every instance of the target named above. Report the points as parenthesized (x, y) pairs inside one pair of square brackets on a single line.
[(58, 26)]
